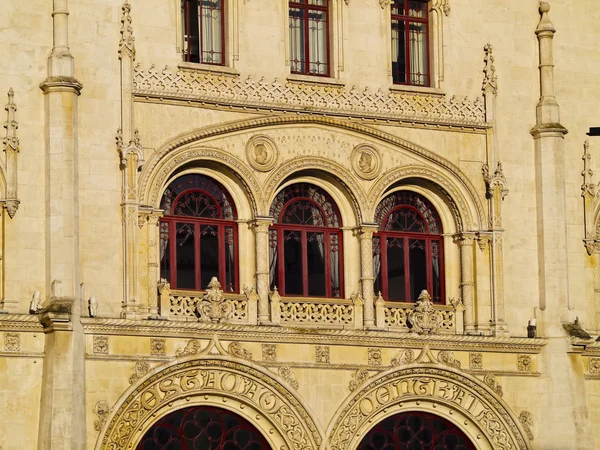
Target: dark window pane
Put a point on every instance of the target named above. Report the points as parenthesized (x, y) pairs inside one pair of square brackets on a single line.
[(317, 38), (398, 7), (297, 37), (418, 267), (315, 258), (417, 9), (292, 252), (396, 269), (165, 252), (186, 260), (192, 32), (212, 21), (417, 38), (209, 254), (398, 51), (334, 251), (229, 259)]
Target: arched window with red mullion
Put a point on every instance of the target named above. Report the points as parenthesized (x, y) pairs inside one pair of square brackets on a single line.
[(408, 249), (306, 254), (198, 234)]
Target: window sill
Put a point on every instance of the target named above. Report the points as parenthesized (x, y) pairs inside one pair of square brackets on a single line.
[(435, 92), (315, 79), (209, 68)]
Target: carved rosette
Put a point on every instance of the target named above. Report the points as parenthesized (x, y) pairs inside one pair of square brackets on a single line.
[(213, 307), (424, 319)]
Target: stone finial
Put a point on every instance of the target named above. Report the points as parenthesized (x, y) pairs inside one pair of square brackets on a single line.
[(213, 307), (126, 44), (11, 141), (497, 179), (490, 79), (424, 319), (545, 23)]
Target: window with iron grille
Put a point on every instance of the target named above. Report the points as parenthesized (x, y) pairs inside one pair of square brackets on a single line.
[(410, 42), (198, 234), (309, 37), (408, 248), (204, 31), (306, 243)]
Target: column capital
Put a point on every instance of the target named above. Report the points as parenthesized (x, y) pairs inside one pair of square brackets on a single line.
[(261, 223), (465, 238), (366, 230)]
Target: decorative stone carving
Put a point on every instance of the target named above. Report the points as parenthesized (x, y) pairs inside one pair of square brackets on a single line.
[(490, 79), (444, 5), (475, 361), (158, 346), (374, 357), (102, 410), (269, 352), (406, 356), (322, 354), (497, 179), (12, 342), (140, 369), (424, 319), (524, 363), (431, 386), (286, 373), (589, 192), (490, 380), (34, 304), (214, 380), (93, 306), (126, 44), (366, 161), (316, 313), (447, 357), (11, 150), (594, 366), (237, 350), (100, 345), (213, 307), (262, 153), (526, 420), (191, 348), (293, 96), (360, 376)]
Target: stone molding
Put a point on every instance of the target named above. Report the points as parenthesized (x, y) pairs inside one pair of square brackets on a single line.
[(297, 96), (267, 334), (455, 395), (237, 385)]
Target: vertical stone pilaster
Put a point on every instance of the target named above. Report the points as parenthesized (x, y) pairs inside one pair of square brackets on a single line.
[(151, 217), (365, 235), (465, 241), (261, 232)]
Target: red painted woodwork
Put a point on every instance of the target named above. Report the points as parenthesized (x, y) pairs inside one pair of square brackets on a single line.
[(308, 9)]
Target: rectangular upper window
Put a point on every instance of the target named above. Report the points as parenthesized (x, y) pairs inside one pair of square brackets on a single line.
[(204, 31), (410, 42), (309, 37)]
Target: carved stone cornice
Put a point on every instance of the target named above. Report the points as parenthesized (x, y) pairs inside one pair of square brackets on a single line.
[(20, 322), (388, 339), (337, 101)]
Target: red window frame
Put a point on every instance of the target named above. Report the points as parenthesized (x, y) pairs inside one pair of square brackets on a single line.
[(188, 37), (171, 219), (306, 8), (407, 19), (280, 228), (382, 237)]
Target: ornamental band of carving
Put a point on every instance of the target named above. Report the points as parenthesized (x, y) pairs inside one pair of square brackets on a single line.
[(193, 379), (460, 392), (293, 96)]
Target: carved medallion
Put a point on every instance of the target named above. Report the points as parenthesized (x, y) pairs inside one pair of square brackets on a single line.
[(262, 153), (366, 161)]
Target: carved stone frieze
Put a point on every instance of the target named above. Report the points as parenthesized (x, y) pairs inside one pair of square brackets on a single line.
[(366, 161), (524, 363), (269, 352), (475, 360), (466, 396), (158, 346), (594, 366), (360, 376), (262, 153), (102, 410), (100, 345), (424, 319), (286, 373), (12, 342), (322, 354), (294, 96), (374, 355), (251, 388), (406, 356), (140, 369)]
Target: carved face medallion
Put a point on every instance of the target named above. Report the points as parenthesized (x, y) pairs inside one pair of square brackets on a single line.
[(366, 161), (261, 152)]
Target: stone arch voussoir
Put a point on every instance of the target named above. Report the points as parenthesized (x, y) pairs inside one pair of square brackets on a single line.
[(230, 383), (458, 397)]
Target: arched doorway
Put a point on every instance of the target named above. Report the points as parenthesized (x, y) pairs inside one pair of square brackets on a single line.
[(202, 428), (415, 431)]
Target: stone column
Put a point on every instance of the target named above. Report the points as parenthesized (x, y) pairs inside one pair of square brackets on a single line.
[(152, 216), (365, 234), (465, 241), (261, 232)]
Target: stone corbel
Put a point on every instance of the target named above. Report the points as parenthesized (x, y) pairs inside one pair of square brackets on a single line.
[(483, 239), (591, 202), (11, 151)]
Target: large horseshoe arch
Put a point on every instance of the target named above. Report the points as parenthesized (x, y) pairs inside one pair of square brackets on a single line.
[(457, 397), (239, 386)]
